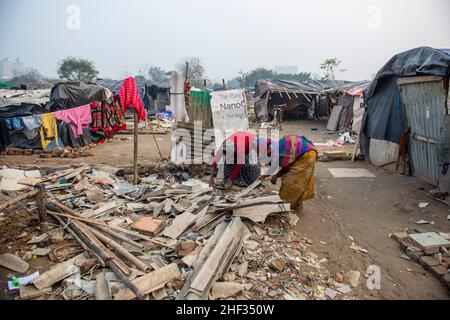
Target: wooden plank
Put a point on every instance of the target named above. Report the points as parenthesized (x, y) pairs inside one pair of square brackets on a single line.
[(208, 272), (150, 282), (179, 224), (31, 292), (59, 272), (13, 262), (260, 212), (102, 291), (248, 189)]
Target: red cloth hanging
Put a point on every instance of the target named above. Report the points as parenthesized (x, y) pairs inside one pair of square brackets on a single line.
[(129, 96)]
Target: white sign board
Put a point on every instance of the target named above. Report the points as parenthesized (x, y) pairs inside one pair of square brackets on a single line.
[(229, 113)]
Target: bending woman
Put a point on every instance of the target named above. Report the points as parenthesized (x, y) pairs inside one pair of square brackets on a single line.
[(242, 171), (297, 158)]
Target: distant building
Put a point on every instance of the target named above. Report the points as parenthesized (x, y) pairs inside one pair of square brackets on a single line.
[(9, 68), (286, 69)]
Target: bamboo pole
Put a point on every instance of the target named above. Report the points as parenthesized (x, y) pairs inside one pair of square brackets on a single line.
[(119, 229), (74, 235), (120, 237), (125, 253), (110, 259), (135, 148)]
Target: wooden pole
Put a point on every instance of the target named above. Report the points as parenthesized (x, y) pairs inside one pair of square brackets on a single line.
[(223, 84), (16, 200), (40, 201), (135, 150), (123, 252), (106, 256), (119, 229)]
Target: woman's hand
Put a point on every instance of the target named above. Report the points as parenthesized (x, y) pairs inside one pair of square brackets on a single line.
[(274, 179), (228, 185)]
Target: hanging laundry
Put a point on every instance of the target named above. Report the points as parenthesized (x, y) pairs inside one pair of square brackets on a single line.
[(49, 130), (129, 96), (107, 118), (14, 123), (32, 125), (78, 118)]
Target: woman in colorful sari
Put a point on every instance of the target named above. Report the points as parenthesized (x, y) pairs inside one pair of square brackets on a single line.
[(243, 170), (297, 158)]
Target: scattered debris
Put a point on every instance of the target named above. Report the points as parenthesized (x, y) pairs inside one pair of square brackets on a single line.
[(423, 205), (13, 262)]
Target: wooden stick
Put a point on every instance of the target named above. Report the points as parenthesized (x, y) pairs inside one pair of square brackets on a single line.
[(111, 262), (135, 150), (62, 207), (120, 237), (119, 229), (125, 253), (74, 235), (40, 201), (14, 201)]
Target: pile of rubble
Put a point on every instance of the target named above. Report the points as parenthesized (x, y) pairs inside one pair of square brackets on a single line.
[(429, 249), (172, 236)]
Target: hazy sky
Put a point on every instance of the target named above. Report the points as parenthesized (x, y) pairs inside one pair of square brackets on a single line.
[(121, 36)]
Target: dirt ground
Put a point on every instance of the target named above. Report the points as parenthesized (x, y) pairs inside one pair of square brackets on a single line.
[(366, 209)]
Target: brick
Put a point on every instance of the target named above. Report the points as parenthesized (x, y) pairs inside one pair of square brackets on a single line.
[(446, 280), (431, 250), (414, 253), (427, 262), (186, 247), (405, 243), (278, 264), (149, 224), (438, 271), (399, 236)]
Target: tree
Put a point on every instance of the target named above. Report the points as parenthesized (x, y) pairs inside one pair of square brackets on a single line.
[(195, 69), (77, 69), (30, 75), (155, 74), (249, 79), (329, 65)]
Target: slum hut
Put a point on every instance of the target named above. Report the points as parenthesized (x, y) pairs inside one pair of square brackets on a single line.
[(296, 100), (346, 105), (409, 98)]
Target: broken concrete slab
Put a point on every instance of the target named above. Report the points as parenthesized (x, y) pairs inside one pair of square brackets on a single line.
[(350, 173), (428, 239)]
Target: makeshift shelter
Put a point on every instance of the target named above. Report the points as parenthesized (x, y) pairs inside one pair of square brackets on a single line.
[(347, 113), (295, 99), (70, 114), (411, 91)]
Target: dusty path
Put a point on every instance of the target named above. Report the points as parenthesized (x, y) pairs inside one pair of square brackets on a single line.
[(366, 209), (369, 210)]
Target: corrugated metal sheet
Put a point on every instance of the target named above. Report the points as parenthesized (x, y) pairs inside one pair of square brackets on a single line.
[(200, 108), (425, 108)]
